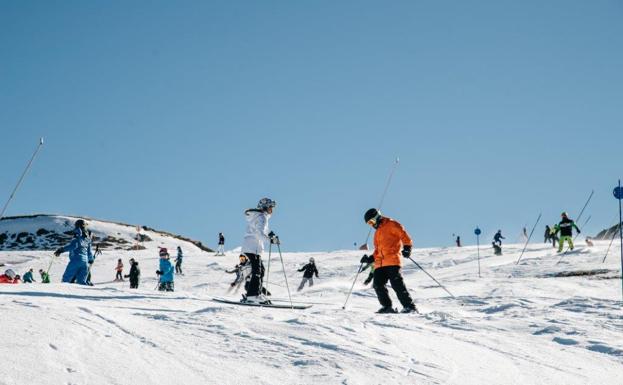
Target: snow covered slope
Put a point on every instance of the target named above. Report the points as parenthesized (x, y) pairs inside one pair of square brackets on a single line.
[(534, 323), (48, 232)]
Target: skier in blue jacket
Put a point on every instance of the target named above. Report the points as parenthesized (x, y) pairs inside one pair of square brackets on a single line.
[(80, 254), (165, 271)]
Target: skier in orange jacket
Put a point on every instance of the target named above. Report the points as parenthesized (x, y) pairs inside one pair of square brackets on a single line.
[(389, 238)]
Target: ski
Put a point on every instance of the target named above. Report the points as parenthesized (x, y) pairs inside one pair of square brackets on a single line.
[(282, 305)]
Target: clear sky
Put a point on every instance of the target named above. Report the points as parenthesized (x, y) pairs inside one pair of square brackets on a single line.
[(181, 114)]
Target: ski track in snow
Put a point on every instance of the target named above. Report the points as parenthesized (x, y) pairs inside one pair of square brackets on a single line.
[(518, 324)]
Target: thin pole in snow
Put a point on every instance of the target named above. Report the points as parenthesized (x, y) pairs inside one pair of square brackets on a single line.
[(618, 194), (478, 232), (529, 237), (19, 182)]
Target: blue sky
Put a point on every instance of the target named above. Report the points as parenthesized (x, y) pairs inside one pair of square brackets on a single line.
[(179, 115)]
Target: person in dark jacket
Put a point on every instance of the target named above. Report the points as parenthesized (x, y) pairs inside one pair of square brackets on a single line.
[(565, 227), (497, 238), (221, 244), (135, 274), (28, 278), (178, 261), (548, 234), (308, 275), (458, 241)]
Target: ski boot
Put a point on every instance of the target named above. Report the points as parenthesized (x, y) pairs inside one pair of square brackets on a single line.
[(387, 310)]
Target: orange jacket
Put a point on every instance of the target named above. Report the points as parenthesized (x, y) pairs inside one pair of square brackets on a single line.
[(389, 238)]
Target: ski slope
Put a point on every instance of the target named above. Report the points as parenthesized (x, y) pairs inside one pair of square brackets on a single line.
[(518, 324)]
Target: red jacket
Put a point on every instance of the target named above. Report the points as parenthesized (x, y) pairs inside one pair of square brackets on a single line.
[(389, 238), (5, 279)]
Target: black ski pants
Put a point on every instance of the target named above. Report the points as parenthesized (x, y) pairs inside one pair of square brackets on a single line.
[(257, 273), (391, 274)]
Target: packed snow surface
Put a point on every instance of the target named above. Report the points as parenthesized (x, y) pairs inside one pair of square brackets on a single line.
[(537, 322)]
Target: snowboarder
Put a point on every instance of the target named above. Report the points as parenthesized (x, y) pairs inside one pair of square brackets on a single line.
[(497, 238), (79, 254), (256, 234), (243, 272), (45, 277), (221, 244), (389, 237), (165, 272), (308, 276), (178, 261), (135, 274), (497, 249), (9, 276), (28, 278), (565, 227), (119, 270), (458, 241)]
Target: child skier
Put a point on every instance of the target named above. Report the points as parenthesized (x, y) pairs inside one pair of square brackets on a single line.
[(257, 233), (221, 244), (178, 261), (135, 274), (9, 276), (243, 272), (79, 254), (370, 275), (308, 276), (165, 272), (45, 277), (565, 227), (389, 238), (28, 278), (119, 270)]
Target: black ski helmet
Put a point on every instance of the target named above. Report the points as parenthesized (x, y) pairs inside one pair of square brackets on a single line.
[(80, 224), (371, 214)]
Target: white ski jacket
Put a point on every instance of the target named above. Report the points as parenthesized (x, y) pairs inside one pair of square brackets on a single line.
[(257, 231)]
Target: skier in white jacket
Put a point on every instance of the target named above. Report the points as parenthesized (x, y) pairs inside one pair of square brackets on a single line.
[(257, 233)]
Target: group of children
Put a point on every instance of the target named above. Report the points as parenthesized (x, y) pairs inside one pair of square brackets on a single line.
[(9, 276)]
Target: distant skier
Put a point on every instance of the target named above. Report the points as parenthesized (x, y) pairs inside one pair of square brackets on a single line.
[(165, 272), (221, 244), (257, 233), (525, 233), (389, 238), (497, 238), (548, 234), (497, 249), (565, 228), (119, 270), (28, 278), (589, 242), (458, 241), (308, 275), (9, 276), (135, 274), (243, 272), (79, 254), (178, 261), (45, 277)]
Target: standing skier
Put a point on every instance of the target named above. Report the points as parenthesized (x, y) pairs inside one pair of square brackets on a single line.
[(165, 271), (565, 227), (308, 276), (256, 234), (389, 237), (178, 261), (458, 241), (497, 238), (135, 274), (79, 254), (221, 244), (548, 234), (45, 277), (119, 270)]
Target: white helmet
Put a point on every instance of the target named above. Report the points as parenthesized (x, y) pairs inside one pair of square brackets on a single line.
[(266, 203), (10, 273)]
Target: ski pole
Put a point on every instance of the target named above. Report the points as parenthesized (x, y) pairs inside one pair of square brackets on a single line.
[(433, 278), (610, 245), (583, 224), (270, 249), (19, 182), (285, 276), (50, 265), (352, 286), (528, 240)]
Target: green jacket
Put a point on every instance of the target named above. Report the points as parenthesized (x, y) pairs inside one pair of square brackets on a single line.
[(45, 277)]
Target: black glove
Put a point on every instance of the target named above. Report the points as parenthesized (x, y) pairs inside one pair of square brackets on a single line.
[(58, 251), (274, 239), (158, 272), (579, 231), (367, 259), (406, 251), (91, 262)]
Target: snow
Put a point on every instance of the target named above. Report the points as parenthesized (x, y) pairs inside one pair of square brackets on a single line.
[(518, 324)]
